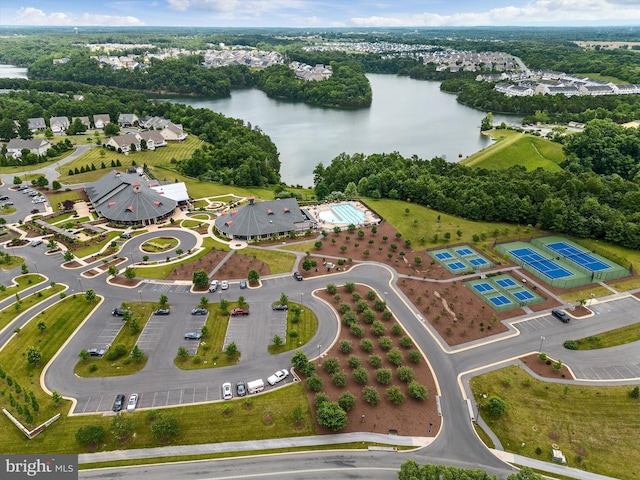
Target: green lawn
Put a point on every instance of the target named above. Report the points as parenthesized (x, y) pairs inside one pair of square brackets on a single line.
[(279, 262), (162, 270), (595, 427), (95, 248), (514, 148), (9, 314), (431, 222), (23, 282), (59, 197), (210, 354), (576, 295), (124, 365), (305, 328), (612, 338), (604, 78), (177, 150)]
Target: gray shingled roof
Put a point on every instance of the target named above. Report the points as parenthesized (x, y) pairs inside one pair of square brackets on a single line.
[(125, 197), (262, 218)]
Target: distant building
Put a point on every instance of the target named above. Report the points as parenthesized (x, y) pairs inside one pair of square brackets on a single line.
[(36, 124), (99, 121), (16, 145), (127, 120), (59, 124)]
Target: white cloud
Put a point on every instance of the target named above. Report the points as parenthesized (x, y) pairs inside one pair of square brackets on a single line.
[(238, 7), (534, 12), (180, 5), (35, 16)]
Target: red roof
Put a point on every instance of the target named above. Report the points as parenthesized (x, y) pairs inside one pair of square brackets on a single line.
[(111, 204), (229, 223), (130, 208)]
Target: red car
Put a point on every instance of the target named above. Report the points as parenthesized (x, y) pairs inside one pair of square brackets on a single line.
[(238, 312)]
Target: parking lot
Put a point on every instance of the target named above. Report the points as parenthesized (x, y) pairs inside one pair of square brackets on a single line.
[(193, 323), (256, 330)]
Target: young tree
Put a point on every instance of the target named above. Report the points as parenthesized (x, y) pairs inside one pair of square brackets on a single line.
[(231, 350), (331, 416), (496, 406), (137, 354), (130, 273), (68, 255), (90, 295), (42, 326), (277, 341), (89, 435), (163, 299), (121, 427), (84, 355), (253, 276), (200, 279), (204, 302), (297, 414), (33, 356), (183, 353), (165, 427)]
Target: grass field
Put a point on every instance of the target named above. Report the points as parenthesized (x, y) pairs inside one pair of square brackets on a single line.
[(95, 248), (604, 78), (8, 315), (124, 365), (431, 222), (178, 150), (612, 338), (596, 290), (210, 354), (305, 329), (595, 427), (23, 282), (279, 262), (57, 198), (514, 148)]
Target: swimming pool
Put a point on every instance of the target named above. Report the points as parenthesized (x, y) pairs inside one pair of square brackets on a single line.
[(343, 213)]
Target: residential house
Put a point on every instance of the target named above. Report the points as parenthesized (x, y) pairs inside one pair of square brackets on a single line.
[(153, 138), (16, 145), (85, 121), (127, 120), (124, 142), (596, 90), (173, 132), (36, 124), (99, 121), (59, 124)]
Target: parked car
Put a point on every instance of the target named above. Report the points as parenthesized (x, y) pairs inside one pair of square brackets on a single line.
[(4, 197), (199, 311), (241, 389), (96, 352), (297, 276), (22, 187), (243, 284), (224, 285), (35, 243), (280, 306), (227, 394), (39, 200), (278, 376), (125, 235), (118, 403), (192, 336), (133, 402), (562, 315), (162, 311), (213, 286), (7, 204), (237, 312), (119, 312)]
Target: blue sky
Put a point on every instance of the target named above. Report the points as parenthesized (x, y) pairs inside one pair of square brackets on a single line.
[(319, 13)]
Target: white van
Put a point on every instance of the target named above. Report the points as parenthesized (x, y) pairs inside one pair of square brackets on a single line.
[(256, 386)]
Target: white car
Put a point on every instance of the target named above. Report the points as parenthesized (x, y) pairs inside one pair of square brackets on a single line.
[(227, 393), (278, 376), (133, 402), (224, 285)]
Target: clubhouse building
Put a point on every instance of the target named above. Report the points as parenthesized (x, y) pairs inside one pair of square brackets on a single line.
[(262, 220), (130, 199)]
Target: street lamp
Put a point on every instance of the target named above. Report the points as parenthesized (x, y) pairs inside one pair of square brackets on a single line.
[(36, 265), (385, 297), (80, 282), (319, 347), (541, 340), (592, 295), (301, 302), (140, 292)]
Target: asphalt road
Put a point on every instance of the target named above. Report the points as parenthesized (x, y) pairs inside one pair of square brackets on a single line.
[(160, 383)]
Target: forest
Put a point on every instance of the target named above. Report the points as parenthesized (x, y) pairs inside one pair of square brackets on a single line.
[(233, 152), (576, 201), (347, 86)]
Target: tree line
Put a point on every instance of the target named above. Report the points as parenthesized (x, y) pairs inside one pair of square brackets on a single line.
[(580, 203), (232, 153)]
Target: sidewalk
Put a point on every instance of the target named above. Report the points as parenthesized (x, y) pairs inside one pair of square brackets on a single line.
[(247, 446), (550, 467)]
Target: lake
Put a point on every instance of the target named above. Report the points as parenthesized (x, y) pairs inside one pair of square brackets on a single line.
[(408, 116), (11, 71)]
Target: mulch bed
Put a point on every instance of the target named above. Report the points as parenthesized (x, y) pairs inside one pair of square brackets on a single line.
[(542, 369), (125, 282), (411, 418), (236, 266)]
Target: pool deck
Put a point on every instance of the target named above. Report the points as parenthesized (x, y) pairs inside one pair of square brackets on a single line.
[(370, 217)]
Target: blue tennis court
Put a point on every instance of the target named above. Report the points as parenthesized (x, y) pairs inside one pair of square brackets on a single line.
[(483, 287), (545, 266), (456, 265), (443, 255), (580, 257), (506, 282), (523, 295), (500, 300), (477, 261), (464, 251)]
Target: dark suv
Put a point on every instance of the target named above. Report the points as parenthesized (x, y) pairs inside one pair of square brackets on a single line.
[(118, 403), (119, 312), (561, 315)]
